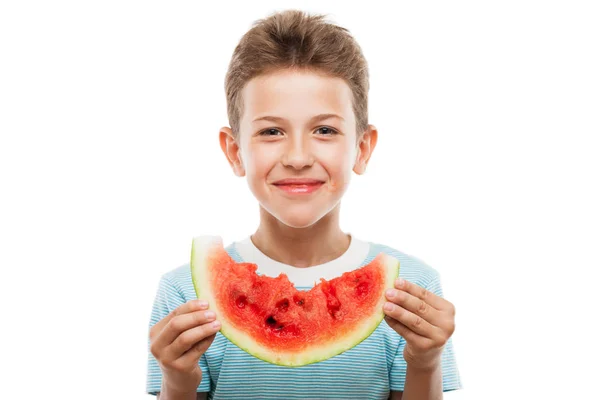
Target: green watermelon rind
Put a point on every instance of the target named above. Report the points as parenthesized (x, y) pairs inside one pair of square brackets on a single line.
[(203, 245)]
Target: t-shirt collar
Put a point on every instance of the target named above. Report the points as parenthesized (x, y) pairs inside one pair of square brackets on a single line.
[(351, 259)]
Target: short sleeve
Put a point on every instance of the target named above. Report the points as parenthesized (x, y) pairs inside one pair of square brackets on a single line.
[(450, 375), (167, 298)]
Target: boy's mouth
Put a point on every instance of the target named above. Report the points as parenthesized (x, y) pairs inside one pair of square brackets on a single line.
[(298, 186)]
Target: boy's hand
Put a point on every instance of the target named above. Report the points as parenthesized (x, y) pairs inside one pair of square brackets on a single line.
[(178, 340), (424, 320)]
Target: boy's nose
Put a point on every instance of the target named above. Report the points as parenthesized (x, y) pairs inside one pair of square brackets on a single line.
[(298, 154)]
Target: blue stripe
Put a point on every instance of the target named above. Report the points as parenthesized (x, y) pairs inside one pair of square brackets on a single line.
[(368, 371)]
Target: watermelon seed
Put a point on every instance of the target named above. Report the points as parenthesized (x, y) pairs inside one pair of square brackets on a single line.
[(241, 301), (283, 305), (273, 323), (298, 300)]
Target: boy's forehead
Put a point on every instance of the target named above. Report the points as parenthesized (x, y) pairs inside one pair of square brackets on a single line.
[(296, 95)]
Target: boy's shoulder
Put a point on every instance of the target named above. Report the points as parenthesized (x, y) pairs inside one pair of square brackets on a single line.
[(178, 281), (412, 268)]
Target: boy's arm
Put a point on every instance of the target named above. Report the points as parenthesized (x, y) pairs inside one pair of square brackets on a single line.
[(415, 311), (421, 384)]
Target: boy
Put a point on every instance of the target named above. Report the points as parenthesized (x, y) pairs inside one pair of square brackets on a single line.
[(297, 104)]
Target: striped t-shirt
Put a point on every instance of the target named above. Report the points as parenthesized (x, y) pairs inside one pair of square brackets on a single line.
[(370, 370)]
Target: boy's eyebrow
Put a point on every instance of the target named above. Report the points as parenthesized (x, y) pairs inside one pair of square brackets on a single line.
[(319, 117)]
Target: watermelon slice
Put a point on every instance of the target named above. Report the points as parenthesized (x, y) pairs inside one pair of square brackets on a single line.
[(272, 320)]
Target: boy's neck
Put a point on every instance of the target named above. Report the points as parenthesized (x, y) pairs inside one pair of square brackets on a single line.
[(304, 247)]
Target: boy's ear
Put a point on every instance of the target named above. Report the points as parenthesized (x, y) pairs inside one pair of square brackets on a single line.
[(232, 151), (365, 148)]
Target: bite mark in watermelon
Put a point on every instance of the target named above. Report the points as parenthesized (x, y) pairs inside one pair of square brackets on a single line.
[(272, 320)]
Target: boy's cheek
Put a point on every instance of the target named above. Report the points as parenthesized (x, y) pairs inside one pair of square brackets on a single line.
[(337, 185), (333, 187)]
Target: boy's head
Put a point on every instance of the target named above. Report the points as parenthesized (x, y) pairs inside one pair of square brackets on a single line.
[(297, 67)]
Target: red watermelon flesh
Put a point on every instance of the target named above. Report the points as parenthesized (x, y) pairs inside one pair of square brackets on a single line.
[(269, 318)]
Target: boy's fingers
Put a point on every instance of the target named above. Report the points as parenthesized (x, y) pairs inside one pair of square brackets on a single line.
[(415, 323), (192, 355), (189, 306), (415, 305), (162, 333), (187, 340), (402, 330), (179, 325), (430, 298)]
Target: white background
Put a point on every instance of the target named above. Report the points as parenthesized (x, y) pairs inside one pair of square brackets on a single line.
[(487, 169)]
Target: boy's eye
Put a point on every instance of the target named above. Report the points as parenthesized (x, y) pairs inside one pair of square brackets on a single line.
[(270, 132), (327, 130)]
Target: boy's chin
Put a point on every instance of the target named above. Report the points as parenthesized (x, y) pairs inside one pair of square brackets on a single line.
[(299, 223), (298, 220)]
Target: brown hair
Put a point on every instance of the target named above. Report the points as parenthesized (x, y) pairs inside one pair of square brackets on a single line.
[(293, 39)]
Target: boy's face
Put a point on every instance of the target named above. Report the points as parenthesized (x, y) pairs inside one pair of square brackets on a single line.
[(298, 167)]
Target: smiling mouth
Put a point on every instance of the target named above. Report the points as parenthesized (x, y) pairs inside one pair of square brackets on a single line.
[(298, 186)]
